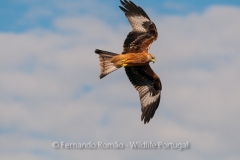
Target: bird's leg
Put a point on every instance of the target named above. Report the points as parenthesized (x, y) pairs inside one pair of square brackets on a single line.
[(124, 64)]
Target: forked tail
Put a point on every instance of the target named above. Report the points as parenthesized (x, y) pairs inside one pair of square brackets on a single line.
[(105, 62)]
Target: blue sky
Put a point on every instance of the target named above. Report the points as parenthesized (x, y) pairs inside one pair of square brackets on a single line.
[(16, 15), (50, 88)]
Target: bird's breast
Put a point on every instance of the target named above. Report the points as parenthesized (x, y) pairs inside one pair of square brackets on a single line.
[(136, 59)]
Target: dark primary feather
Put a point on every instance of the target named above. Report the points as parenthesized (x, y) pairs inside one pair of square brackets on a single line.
[(131, 8), (144, 31), (149, 86)]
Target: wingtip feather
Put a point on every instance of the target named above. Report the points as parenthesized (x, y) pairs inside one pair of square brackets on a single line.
[(98, 51), (129, 6), (123, 9)]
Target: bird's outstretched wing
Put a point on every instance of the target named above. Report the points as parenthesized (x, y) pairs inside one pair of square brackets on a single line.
[(149, 86), (144, 31)]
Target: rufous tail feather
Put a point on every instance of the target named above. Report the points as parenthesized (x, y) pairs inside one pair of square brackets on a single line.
[(105, 62)]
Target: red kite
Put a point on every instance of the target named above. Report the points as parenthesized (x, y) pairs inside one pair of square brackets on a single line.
[(135, 59)]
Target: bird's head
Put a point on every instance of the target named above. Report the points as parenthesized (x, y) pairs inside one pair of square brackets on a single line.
[(152, 58)]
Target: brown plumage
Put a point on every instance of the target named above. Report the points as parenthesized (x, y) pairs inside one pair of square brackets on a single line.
[(135, 59)]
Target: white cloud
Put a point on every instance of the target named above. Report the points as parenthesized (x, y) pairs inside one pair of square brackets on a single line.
[(197, 60)]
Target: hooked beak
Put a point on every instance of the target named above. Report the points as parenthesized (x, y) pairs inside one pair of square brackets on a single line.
[(154, 60)]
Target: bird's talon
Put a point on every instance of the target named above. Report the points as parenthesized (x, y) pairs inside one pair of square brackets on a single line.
[(124, 65)]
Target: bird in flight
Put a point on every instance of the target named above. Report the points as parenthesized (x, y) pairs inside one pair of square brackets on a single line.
[(135, 59)]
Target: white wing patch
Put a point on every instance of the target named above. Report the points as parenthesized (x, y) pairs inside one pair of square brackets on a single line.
[(146, 97), (137, 22)]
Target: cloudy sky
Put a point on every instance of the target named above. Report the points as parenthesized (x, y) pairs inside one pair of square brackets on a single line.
[(50, 89)]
